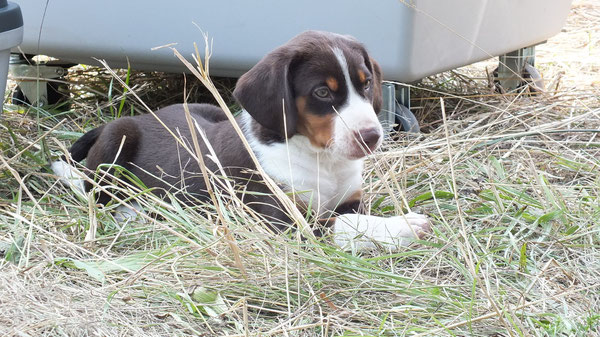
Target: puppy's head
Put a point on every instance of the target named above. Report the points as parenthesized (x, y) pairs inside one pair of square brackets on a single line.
[(320, 85)]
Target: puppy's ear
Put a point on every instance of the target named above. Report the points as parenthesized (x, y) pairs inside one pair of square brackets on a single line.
[(377, 82), (265, 91)]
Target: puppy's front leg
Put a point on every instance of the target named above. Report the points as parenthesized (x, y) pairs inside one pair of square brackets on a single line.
[(363, 232)]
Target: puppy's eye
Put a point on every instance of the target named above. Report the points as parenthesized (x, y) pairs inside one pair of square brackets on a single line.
[(322, 92), (367, 85)]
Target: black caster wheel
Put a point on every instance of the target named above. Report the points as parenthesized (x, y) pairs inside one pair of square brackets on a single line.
[(55, 91), (18, 97), (531, 79), (406, 120)]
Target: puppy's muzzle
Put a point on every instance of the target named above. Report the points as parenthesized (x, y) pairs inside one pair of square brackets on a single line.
[(369, 138)]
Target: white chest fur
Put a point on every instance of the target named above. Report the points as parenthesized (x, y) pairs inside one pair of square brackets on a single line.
[(315, 175)]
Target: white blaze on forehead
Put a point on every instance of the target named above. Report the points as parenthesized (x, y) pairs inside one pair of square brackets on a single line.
[(339, 55), (356, 113)]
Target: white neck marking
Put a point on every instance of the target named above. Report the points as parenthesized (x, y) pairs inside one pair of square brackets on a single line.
[(316, 175)]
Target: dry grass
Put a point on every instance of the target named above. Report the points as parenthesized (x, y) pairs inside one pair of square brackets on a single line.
[(511, 182)]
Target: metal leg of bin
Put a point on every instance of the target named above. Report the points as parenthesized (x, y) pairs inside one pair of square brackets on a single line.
[(33, 81), (405, 118), (387, 115), (395, 113), (514, 67), (403, 95)]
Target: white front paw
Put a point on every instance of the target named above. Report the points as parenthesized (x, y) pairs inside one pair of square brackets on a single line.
[(356, 231), (124, 214), (410, 225)]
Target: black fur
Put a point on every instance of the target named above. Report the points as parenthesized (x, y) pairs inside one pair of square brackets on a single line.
[(79, 150), (266, 92), (147, 149)]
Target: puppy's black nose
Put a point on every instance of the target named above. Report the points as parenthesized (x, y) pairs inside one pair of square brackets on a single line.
[(369, 137)]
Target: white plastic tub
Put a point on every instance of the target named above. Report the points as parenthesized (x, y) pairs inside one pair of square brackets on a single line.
[(411, 39), (11, 34)]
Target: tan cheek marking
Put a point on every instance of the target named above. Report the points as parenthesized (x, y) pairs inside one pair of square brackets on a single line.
[(362, 77), (332, 83), (318, 129), (301, 103)]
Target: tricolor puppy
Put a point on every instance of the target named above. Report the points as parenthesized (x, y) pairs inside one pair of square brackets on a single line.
[(310, 117)]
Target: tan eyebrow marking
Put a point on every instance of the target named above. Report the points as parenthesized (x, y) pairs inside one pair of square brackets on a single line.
[(362, 76), (332, 83)]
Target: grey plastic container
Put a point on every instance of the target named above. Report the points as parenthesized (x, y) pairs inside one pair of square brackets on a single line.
[(411, 39), (11, 35)]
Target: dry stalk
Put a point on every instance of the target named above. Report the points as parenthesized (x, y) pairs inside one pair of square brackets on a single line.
[(201, 72)]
